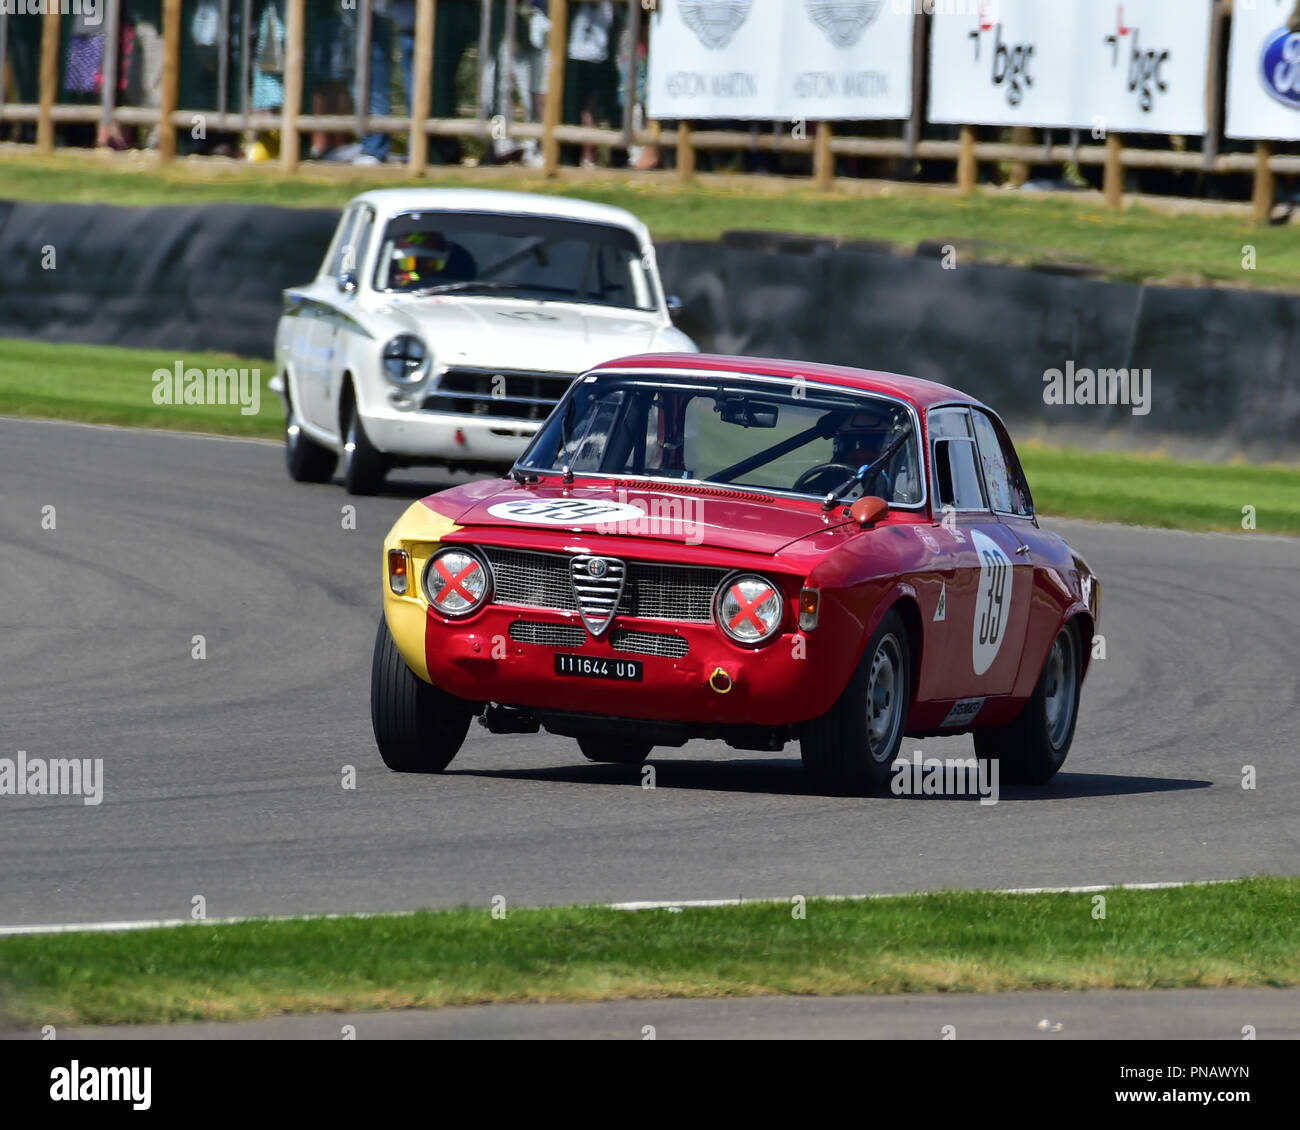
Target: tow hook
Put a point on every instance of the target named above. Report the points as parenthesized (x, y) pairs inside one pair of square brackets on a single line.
[(720, 681)]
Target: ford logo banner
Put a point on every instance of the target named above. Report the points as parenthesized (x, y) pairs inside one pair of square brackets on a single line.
[(1281, 63)]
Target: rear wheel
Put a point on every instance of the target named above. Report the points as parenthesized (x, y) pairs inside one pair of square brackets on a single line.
[(851, 748), (418, 727), (1032, 749), (614, 752), (307, 460), (364, 465)]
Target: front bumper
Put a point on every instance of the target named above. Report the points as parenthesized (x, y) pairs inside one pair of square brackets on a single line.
[(768, 686), (447, 437)]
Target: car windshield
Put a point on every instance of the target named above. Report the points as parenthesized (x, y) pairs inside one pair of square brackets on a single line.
[(733, 431), (534, 257)]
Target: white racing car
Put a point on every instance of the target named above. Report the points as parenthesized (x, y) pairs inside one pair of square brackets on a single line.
[(445, 324)]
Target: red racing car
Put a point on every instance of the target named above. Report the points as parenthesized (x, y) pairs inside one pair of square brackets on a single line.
[(753, 551)]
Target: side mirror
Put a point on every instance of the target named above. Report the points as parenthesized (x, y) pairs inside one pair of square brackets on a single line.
[(675, 306), (869, 510), (347, 281)]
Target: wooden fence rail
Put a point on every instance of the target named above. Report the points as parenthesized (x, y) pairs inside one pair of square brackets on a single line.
[(967, 153)]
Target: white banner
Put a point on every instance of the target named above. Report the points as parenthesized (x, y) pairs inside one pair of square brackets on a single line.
[(1003, 62), (1264, 73), (1124, 67), (1143, 66), (846, 60), (780, 60)]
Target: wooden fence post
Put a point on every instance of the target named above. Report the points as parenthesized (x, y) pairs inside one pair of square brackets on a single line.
[(823, 158), (967, 166), (1265, 182), (685, 152), (295, 21), (559, 11), (425, 29), (171, 73), (49, 80), (1113, 181)]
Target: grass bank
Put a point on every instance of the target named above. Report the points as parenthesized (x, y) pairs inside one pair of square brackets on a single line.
[(1139, 244), (1234, 934), (103, 385)]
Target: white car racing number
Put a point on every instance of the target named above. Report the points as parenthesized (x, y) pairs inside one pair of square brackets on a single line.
[(992, 602), (565, 511)]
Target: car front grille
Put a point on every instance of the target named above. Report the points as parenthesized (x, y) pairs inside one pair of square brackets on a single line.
[(649, 643), (547, 635), (650, 591), (508, 393)]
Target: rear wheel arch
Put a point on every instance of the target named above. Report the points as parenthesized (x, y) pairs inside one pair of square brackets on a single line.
[(1085, 629), (910, 611)]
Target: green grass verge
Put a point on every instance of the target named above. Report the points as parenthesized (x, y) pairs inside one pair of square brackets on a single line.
[(1139, 244), (97, 384), (1234, 934), (1150, 490), (103, 385)]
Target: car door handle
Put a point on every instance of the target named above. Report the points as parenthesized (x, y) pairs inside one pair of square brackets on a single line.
[(1023, 550)]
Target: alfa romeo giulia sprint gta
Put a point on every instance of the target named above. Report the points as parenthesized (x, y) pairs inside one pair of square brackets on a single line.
[(753, 551)]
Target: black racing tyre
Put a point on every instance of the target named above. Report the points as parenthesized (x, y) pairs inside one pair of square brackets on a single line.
[(364, 465), (614, 752), (307, 460), (1032, 749), (851, 748), (418, 727)]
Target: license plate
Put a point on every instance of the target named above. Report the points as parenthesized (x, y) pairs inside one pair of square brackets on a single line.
[(598, 667)]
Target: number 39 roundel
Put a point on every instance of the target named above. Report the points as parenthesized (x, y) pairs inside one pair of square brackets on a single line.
[(992, 602)]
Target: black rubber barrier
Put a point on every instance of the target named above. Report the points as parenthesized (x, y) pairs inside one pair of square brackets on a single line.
[(1222, 381), (184, 278)]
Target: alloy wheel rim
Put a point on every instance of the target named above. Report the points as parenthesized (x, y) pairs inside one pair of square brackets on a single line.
[(1060, 690), (884, 698)]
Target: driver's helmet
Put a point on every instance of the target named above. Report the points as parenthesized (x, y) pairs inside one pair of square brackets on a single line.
[(861, 438), (419, 258)]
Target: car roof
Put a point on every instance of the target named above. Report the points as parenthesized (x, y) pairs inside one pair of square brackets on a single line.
[(388, 201), (920, 393)]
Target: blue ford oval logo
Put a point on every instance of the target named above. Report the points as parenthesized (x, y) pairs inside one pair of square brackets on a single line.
[(1281, 64)]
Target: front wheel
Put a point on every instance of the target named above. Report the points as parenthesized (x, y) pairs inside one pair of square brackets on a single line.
[(614, 753), (418, 727), (851, 748), (1032, 749), (364, 465), (307, 460)]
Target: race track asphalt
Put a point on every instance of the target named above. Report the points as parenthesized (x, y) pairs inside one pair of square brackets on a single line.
[(223, 774), (1186, 1014)]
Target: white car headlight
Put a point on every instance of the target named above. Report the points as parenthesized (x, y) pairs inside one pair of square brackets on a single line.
[(456, 582), (749, 608), (406, 360)]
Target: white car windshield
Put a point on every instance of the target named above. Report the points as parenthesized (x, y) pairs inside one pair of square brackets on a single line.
[(734, 431), (533, 257)]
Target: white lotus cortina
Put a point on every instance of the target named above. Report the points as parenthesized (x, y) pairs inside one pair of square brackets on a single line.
[(445, 324)]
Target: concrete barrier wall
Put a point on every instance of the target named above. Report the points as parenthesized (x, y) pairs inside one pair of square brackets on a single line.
[(1223, 373)]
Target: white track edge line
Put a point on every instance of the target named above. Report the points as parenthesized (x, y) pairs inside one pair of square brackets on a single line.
[(166, 923)]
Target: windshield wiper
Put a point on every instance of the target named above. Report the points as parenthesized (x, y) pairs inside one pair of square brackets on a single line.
[(488, 284), (469, 284), (866, 472)]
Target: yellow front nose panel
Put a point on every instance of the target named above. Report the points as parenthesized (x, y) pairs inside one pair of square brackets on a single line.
[(419, 531)]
